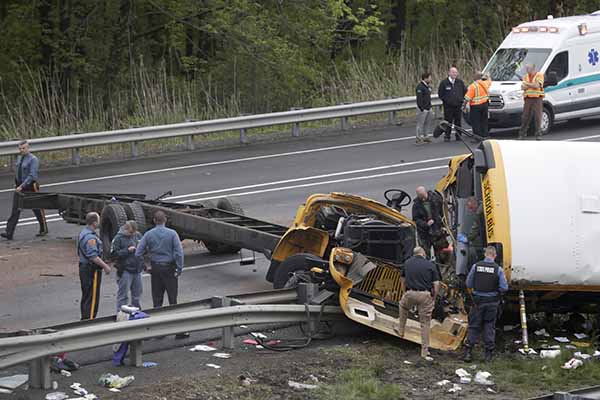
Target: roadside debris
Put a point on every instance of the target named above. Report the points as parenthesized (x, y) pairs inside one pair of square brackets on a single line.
[(215, 366), (482, 378), (527, 352), (149, 364), (581, 344), (202, 347), (258, 335), (114, 390), (573, 363), (65, 373), (301, 386), (541, 332), (580, 336), (5, 391), (561, 339), (222, 355), (508, 328), (54, 385), (115, 381), (465, 377), (14, 381), (549, 353), (246, 381), (596, 353), (455, 388), (443, 382), (571, 347), (581, 355), (407, 362), (56, 396), (491, 390)]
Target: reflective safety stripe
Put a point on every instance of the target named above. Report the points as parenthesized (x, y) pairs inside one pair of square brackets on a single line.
[(537, 92), (94, 295), (477, 93)]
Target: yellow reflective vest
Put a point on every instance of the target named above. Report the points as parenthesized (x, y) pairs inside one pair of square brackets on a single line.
[(538, 78)]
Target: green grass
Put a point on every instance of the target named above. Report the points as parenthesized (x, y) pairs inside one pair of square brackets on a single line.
[(360, 383), (527, 377)]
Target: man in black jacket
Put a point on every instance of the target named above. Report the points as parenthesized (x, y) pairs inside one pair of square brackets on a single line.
[(129, 267), (424, 113), (452, 92), (427, 214)]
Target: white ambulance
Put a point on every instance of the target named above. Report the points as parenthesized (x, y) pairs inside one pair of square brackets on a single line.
[(567, 47)]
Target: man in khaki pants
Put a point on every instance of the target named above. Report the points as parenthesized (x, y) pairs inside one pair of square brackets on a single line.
[(422, 282)]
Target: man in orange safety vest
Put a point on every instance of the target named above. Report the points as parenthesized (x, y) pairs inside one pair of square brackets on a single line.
[(533, 99), (476, 102)]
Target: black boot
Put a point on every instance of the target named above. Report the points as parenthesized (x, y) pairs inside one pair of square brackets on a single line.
[(489, 355), (468, 356)]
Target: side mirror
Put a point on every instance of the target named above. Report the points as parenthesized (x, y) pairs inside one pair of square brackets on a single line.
[(551, 79)]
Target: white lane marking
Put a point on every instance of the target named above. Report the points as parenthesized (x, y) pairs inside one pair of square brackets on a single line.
[(308, 178), (305, 178), (282, 188), (232, 161), (582, 138), (3, 225), (215, 264)]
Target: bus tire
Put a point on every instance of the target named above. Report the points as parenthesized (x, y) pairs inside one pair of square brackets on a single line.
[(112, 219), (226, 205)]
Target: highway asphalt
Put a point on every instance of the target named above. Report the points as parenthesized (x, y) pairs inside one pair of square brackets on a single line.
[(269, 180)]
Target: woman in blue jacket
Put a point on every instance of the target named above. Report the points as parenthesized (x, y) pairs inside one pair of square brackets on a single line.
[(129, 267)]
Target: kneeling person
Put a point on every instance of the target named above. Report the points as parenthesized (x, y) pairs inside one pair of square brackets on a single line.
[(129, 266)]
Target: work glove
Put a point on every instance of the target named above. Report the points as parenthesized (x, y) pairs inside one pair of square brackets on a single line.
[(462, 238)]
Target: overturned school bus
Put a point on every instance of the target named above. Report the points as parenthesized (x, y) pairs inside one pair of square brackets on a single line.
[(540, 205)]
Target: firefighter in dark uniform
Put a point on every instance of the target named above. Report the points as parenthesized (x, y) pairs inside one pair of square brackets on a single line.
[(89, 250), (26, 180), (488, 282)]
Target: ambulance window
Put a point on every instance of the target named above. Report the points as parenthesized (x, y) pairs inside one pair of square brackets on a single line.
[(560, 65)]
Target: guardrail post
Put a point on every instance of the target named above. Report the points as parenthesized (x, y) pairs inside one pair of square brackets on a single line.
[(307, 292), (189, 142), (75, 156), (135, 353), (227, 335), (296, 125), (392, 118), (243, 137), (134, 150), (39, 373)]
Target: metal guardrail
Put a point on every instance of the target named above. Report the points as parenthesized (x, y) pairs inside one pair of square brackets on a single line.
[(189, 129), (589, 393), (38, 349)]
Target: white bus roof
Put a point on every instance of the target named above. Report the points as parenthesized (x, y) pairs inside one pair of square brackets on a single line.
[(568, 28)]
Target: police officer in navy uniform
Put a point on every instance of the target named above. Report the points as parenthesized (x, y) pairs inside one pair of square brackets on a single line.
[(163, 247), (26, 180), (89, 250), (487, 280)]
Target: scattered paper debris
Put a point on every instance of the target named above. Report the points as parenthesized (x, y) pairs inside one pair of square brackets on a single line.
[(14, 381), (66, 373), (465, 380), (244, 326), (215, 366), (260, 347), (581, 355), (56, 396), (580, 335), (54, 385), (114, 390), (490, 390), (561, 339), (473, 367), (518, 342), (202, 347), (482, 378), (545, 367), (596, 353), (75, 385), (90, 396), (443, 383), (245, 381), (149, 364), (313, 378), (570, 346), (5, 391), (222, 355), (80, 391), (573, 363), (455, 388), (541, 332), (527, 352), (549, 353), (407, 362), (258, 335), (301, 386), (462, 373), (115, 381)]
